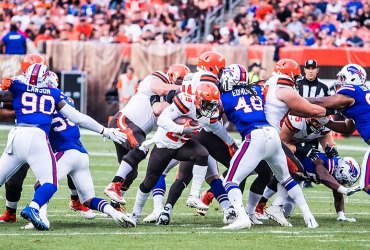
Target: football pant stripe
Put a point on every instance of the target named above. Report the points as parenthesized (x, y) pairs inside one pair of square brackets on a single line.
[(53, 162)]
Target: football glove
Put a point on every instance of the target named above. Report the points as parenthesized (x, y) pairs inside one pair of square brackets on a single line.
[(114, 134), (5, 84), (154, 99), (232, 149), (171, 94), (353, 190), (190, 130), (331, 151), (307, 151)]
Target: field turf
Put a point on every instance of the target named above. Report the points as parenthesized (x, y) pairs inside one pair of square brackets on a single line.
[(186, 231)]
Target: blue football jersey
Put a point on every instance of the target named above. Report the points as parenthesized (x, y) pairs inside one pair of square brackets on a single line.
[(310, 168), (34, 106), (359, 112), (64, 134), (244, 109)]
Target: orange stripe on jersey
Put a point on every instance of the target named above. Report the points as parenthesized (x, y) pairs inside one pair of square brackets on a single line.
[(180, 105), (286, 82), (162, 77), (208, 78), (289, 124), (213, 120)]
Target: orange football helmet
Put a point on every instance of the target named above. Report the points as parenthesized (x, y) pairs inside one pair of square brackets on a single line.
[(212, 61), (30, 59), (177, 72), (207, 99), (288, 67)]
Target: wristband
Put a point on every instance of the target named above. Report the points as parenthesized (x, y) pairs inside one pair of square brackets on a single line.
[(342, 190), (323, 120)]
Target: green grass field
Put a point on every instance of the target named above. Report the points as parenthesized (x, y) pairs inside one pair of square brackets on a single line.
[(186, 231)]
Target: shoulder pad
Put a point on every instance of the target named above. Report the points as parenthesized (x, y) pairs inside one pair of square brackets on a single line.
[(162, 76), (183, 102)]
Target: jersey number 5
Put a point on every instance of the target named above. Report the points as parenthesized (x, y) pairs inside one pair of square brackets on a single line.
[(33, 103), (255, 101)]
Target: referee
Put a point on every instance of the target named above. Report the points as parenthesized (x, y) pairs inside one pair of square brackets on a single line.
[(311, 85)]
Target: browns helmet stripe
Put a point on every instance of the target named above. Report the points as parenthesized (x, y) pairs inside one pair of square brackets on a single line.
[(180, 105), (161, 76), (289, 125), (208, 78)]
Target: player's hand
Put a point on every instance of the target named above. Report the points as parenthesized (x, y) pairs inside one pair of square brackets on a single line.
[(353, 190), (312, 154), (146, 145), (115, 135), (190, 129), (232, 149), (342, 217), (331, 151), (6, 83)]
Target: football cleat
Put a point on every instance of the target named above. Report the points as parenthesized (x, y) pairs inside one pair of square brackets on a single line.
[(254, 219), (229, 215), (311, 222), (195, 202), (242, 221), (165, 217), (276, 214), (151, 218), (207, 197), (86, 212), (32, 215), (113, 190), (123, 220), (135, 218), (8, 217), (118, 207), (260, 211), (29, 226)]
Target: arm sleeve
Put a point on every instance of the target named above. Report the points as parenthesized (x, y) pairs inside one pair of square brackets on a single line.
[(165, 120), (220, 131), (81, 119)]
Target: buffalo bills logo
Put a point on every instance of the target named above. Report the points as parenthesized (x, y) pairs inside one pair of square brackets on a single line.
[(353, 70), (352, 170)]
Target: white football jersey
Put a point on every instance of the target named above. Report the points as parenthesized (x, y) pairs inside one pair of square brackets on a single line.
[(193, 80), (276, 110), (169, 134), (301, 132), (138, 109)]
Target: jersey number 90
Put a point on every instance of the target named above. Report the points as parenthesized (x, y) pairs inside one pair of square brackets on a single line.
[(33, 103)]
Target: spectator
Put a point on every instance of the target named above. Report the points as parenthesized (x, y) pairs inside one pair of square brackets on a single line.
[(347, 22), (321, 5), (309, 37), (14, 42), (263, 9), (327, 25), (312, 24), (254, 73), (353, 6), (284, 13), (295, 27), (239, 18), (133, 31), (268, 23), (88, 9), (334, 7), (364, 14), (47, 25), (47, 35), (127, 86), (84, 27), (354, 40)]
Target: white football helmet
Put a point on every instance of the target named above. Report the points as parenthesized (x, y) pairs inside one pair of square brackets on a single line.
[(38, 75), (54, 80), (234, 75), (352, 74), (347, 172)]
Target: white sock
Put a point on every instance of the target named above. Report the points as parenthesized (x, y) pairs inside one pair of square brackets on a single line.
[(108, 209), (124, 169), (225, 204), (236, 199), (297, 195), (34, 205), (158, 203), (11, 204), (199, 173), (43, 212), (280, 196), (267, 193), (253, 200), (140, 202)]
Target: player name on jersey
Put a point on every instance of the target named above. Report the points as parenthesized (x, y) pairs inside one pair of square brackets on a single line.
[(241, 91), (31, 88)]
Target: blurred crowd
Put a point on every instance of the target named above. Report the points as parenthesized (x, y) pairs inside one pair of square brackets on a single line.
[(107, 21), (315, 23)]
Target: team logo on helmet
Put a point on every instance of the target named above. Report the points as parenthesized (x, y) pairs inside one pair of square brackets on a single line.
[(353, 70)]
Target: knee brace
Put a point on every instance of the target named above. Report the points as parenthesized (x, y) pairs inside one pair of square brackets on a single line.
[(134, 157)]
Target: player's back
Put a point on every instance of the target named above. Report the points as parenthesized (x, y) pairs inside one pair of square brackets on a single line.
[(244, 108), (310, 168), (64, 134), (360, 110), (139, 109), (34, 106), (275, 109)]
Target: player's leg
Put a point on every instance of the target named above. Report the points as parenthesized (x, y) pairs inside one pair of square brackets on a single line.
[(158, 160), (268, 192), (278, 163), (81, 177), (13, 189), (365, 172)]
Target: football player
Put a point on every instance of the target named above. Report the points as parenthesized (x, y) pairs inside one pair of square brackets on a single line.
[(137, 119), (173, 141), (34, 104), (353, 100), (72, 159)]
